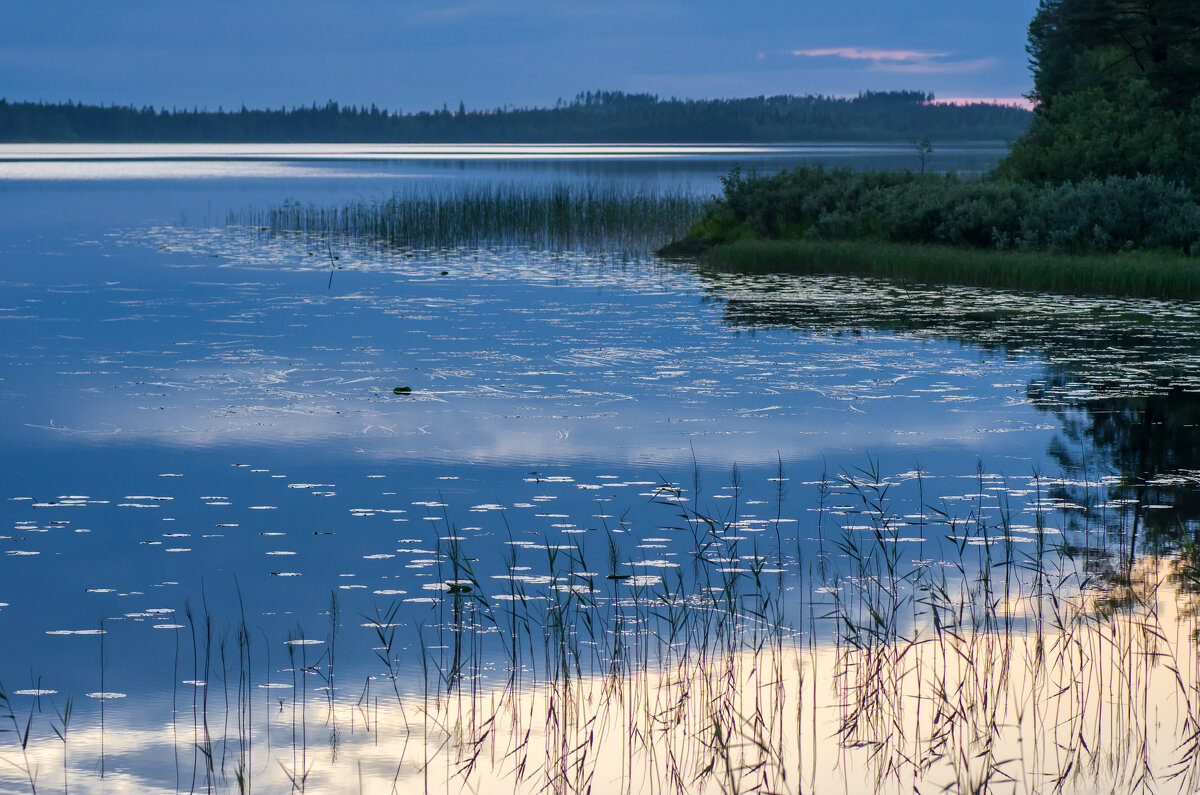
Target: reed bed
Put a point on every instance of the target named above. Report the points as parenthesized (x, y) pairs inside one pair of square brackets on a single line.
[(555, 217), (1126, 274), (918, 653)]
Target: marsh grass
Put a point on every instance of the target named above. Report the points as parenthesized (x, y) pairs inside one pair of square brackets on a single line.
[(1007, 660), (21, 727), (1129, 274), (555, 217), (937, 675)]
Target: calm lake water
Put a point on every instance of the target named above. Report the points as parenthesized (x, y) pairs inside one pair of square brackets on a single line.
[(205, 432)]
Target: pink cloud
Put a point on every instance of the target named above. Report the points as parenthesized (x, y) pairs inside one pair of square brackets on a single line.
[(918, 62), (867, 54)]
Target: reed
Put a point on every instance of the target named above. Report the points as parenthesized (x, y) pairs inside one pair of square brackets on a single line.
[(22, 730), (554, 217), (1132, 274), (62, 730), (991, 660)]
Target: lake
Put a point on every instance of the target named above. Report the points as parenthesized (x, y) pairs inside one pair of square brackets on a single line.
[(292, 511)]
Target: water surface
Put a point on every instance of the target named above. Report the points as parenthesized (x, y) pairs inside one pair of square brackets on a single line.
[(208, 433)]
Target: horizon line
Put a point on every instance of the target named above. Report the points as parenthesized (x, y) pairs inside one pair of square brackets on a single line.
[(1010, 101)]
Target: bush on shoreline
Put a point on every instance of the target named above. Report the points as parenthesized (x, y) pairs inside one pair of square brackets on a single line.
[(1081, 217)]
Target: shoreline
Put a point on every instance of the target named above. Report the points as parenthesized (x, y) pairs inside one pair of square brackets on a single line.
[(1137, 274)]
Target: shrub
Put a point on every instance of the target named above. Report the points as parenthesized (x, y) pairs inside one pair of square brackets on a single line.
[(1089, 215)]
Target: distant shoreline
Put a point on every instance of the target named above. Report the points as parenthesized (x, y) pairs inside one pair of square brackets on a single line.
[(599, 118)]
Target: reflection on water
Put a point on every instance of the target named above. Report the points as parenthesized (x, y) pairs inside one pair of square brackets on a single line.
[(506, 519), (987, 669), (1121, 379), (450, 152), (342, 172)]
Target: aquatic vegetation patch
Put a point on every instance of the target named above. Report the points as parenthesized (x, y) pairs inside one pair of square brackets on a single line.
[(1132, 274), (918, 647), (554, 217)]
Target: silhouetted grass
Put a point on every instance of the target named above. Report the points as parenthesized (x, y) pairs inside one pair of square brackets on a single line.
[(1006, 664)]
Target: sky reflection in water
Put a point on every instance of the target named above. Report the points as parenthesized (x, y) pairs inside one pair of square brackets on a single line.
[(195, 421)]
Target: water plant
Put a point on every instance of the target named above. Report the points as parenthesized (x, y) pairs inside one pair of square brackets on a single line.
[(910, 646), (1132, 274), (555, 216), (22, 730)]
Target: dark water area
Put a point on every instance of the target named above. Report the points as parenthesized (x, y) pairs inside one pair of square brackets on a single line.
[(202, 426)]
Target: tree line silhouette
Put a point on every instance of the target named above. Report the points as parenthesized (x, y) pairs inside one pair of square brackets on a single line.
[(593, 116)]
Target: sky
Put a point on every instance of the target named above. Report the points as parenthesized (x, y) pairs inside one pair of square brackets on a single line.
[(411, 56)]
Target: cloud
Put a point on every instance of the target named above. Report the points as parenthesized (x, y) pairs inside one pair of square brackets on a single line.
[(868, 54), (937, 67), (900, 61)]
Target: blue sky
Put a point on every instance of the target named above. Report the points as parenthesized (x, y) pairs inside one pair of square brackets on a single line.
[(488, 53)]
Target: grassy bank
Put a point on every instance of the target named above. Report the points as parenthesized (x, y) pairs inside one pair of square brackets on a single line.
[(1138, 274)]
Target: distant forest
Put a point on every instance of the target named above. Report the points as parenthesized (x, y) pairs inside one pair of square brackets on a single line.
[(599, 117)]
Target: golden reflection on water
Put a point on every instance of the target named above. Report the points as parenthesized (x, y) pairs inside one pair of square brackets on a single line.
[(1059, 692)]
